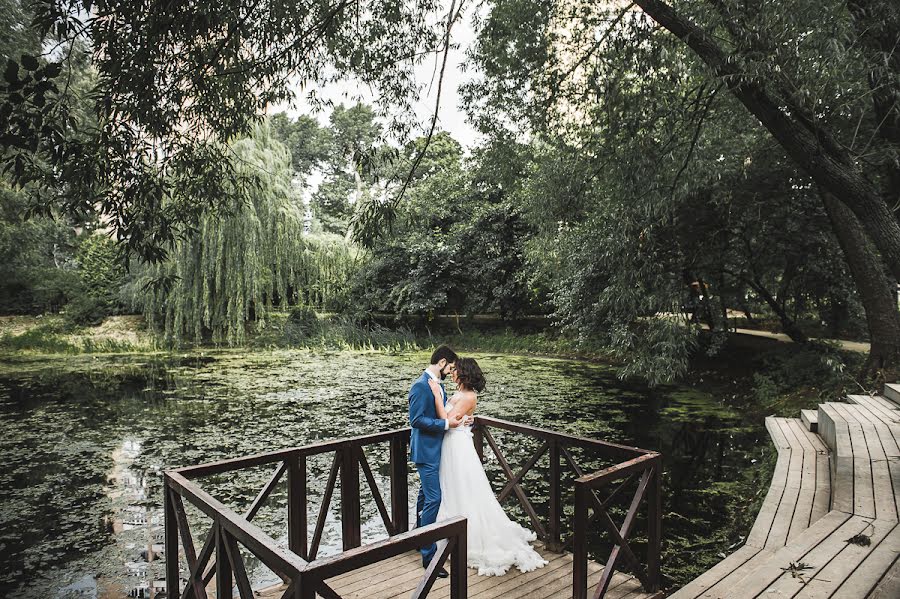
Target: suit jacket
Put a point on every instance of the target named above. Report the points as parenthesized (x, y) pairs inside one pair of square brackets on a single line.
[(427, 429)]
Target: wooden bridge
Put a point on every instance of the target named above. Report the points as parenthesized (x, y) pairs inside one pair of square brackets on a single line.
[(572, 520), (828, 526)]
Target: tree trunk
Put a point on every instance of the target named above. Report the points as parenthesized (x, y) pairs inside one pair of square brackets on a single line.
[(788, 325), (872, 283), (877, 24), (805, 140)]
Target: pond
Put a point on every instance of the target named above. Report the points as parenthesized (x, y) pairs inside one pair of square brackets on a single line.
[(85, 439)]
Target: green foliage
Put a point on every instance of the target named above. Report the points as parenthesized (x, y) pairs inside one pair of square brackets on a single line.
[(458, 246), (301, 324), (643, 175), (352, 135), (174, 82), (246, 259), (37, 270)]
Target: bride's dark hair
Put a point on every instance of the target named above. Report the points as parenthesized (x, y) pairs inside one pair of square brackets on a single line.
[(469, 375)]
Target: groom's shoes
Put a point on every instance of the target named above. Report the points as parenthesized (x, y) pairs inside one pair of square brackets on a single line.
[(441, 573)]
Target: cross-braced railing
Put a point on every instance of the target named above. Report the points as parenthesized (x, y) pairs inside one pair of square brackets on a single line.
[(306, 575), (303, 572), (631, 464)]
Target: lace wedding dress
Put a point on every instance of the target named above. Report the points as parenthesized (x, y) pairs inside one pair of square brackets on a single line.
[(495, 543)]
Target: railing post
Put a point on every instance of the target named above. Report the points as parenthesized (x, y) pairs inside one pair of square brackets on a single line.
[(350, 517), (554, 537), (478, 438), (170, 523), (224, 579), (297, 514), (654, 525), (580, 557), (458, 565), (399, 485)]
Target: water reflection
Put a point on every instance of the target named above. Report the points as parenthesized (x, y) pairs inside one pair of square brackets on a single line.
[(85, 440)]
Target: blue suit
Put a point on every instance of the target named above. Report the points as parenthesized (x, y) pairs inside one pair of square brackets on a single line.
[(425, 450)]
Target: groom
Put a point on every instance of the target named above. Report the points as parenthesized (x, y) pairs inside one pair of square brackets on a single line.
[(425, 441)]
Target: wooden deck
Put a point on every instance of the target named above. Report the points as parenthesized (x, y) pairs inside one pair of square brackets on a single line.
[(399, 577), (828, 526)]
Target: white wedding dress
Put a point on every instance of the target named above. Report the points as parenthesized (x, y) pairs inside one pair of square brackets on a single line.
[(495, 543)]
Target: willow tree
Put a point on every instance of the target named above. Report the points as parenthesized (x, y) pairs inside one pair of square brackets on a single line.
[(245, 257)]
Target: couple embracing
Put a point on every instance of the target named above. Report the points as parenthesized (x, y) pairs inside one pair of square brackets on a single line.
[(452, 479)]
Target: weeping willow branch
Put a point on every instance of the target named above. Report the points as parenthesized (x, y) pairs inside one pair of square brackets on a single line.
[(244, 261)]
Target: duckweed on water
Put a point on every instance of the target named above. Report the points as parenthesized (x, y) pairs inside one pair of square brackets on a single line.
[(85, 439)]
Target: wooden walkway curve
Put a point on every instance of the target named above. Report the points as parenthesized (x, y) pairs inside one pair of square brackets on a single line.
[(828, 526)]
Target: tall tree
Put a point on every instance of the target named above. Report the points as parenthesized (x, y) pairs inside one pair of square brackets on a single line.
[(176, 83), (245, 258)]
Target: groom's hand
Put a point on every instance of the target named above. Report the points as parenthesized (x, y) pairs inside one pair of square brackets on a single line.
[(456, 419)]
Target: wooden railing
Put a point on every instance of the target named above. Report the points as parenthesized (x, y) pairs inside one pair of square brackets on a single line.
[(306, 575), (632, 464)]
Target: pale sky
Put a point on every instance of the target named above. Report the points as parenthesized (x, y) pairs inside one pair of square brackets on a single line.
[(450, 118)]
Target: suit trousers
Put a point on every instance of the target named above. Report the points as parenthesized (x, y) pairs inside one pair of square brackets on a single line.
[(427, 503)]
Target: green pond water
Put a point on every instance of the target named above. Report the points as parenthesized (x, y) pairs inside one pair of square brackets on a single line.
[(85, 439)]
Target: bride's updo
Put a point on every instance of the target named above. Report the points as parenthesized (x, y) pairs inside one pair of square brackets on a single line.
[(469, 375)]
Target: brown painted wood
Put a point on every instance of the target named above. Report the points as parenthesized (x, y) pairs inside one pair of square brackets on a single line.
[(443, 552), (259, 459), (621, 539), (376, 493), (349, 459), (195, 584), (351, 526), (171, 539), (237, 566), (224, 579), (523, 471), (605, 476), (399, 484), (251, 536), (298, 506), (266, 490), (605, 448), (520, 494), (554, 532), (323, 508)]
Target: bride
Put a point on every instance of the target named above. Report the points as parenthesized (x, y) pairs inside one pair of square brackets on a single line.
[(495, 543)]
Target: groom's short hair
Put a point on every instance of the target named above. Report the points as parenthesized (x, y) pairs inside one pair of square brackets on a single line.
[(444, 353)]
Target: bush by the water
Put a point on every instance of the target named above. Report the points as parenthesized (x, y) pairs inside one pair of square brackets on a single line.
[(302, 323)]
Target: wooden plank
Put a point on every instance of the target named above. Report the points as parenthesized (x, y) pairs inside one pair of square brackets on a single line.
[(758, 579), (837, 437), (725, 585), (826, 427), (817, 557), (889, 586), (707, 580), (781, 523), (810, 419), (883, 427), (848, 558), (763, 523), (892, 392), (806, 496), (866, 577), (886, 403), (885, 501), (863, 486), (876, 407), (822, 499)]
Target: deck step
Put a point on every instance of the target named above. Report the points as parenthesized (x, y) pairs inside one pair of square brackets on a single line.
[(810, 420), (892, 392), (854, 461)]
